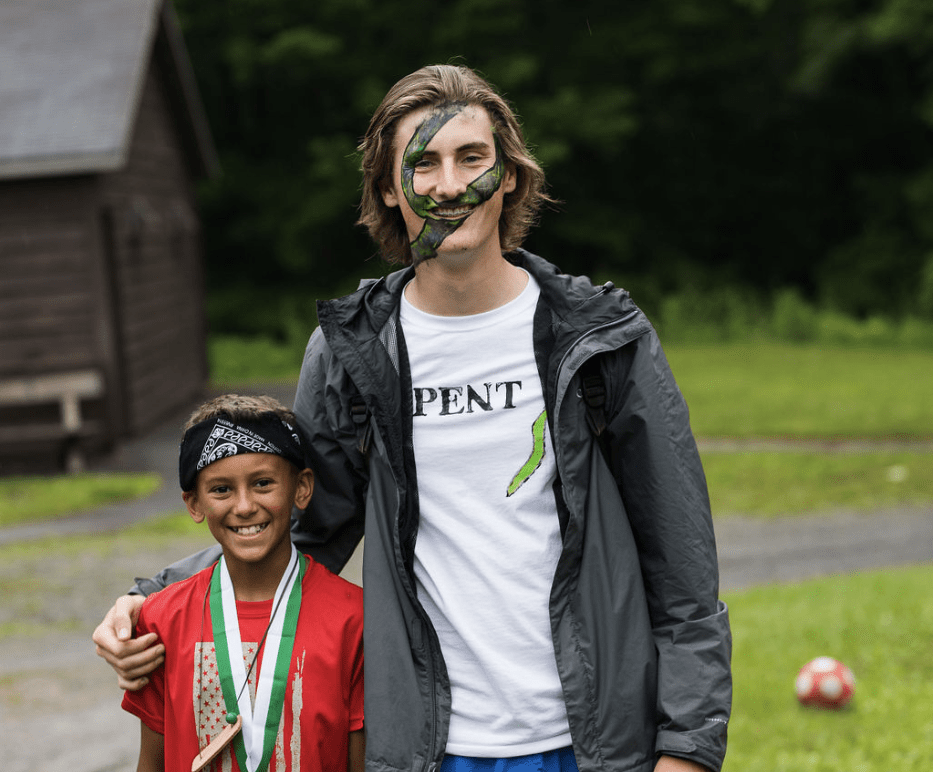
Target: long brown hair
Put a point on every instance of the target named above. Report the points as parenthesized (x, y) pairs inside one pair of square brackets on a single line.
[(428, 87)]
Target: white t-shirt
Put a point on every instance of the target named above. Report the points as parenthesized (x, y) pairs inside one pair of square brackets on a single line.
[(488, 538)]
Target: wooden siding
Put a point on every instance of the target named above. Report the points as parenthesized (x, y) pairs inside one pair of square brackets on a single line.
[(47, 287)]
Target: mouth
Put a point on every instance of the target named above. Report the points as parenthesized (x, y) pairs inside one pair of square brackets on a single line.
[(249, 530), (452, 212)]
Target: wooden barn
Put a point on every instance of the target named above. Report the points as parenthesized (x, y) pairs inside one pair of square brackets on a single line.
[(102, 140)]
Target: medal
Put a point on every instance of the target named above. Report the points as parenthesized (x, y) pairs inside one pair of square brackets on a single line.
[(213, 748), (255, 724)]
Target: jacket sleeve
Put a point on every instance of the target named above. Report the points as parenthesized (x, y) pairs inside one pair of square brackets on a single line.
[(332, 525), (179, 570), (656, 464)]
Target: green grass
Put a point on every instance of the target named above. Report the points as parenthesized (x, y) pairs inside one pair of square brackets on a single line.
[(733, 389), (780, 390), (66, 585), (879, 624), (26, 499), (769, 484), (154, 533), (235, 360)]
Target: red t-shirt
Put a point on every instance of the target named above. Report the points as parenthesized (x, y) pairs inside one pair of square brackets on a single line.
[(324, 695)]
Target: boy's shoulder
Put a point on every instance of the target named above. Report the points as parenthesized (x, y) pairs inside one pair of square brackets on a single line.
[(178, 597)]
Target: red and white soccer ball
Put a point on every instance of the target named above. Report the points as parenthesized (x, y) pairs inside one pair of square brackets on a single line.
[(824, 683)]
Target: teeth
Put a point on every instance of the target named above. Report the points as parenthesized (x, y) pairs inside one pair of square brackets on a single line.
[(459, 212), (250, 530)]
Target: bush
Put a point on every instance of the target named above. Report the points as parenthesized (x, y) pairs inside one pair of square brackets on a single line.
[(730, 314), (725, 314)]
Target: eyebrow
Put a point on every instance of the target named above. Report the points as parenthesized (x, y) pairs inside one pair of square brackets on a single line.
[(470, 146)]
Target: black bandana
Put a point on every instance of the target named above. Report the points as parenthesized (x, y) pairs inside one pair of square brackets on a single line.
[(216, 438)]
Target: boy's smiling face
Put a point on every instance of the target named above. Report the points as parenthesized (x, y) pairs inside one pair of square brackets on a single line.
[(247, 500), (448, 180)]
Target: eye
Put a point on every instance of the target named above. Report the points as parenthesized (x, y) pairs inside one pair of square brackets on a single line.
[(416, 161), (220, 489), (264, 483)]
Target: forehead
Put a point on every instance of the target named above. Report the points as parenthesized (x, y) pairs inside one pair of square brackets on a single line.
[(471, 123), (245, 464)]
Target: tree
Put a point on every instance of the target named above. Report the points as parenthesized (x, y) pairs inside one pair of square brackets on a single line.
[(751, 141)]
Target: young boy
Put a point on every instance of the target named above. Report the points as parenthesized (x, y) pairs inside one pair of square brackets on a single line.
[(264, 655)]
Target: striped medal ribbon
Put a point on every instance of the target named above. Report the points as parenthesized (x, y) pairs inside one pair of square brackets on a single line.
[(254, 745)]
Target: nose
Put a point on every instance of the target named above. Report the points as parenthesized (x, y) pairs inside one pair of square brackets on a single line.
[(244, 506), (449, 183)]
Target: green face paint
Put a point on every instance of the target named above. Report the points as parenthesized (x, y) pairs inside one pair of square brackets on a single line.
[(437, 229)]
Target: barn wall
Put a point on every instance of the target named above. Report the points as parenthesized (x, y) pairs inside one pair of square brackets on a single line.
[(48, 283), (53, 312), (151, 236)]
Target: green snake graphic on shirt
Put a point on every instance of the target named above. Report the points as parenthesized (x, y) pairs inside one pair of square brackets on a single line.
[(450, 404)]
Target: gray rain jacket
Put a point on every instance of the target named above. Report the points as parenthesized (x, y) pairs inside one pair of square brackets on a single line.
[(641, 640)]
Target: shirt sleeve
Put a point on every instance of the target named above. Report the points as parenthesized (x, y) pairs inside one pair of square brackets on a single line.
[(148, 703)]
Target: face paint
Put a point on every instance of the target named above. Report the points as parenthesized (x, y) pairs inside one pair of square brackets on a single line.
[(436, 229)]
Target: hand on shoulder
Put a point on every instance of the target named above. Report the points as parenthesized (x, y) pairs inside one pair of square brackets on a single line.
[(131, 658)]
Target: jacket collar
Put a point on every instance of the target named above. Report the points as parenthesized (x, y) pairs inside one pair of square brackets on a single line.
[(354, 324)]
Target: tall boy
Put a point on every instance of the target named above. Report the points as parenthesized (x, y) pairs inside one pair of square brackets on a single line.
[(264, 655), (531, 601)]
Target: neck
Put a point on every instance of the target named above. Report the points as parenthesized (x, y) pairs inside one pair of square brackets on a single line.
[(259, 581), (461, 286)]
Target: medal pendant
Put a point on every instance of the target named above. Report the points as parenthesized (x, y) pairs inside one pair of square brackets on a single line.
[(213, 748)]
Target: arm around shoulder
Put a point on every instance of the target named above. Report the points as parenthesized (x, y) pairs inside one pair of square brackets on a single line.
[(134, 658), (131, 658)]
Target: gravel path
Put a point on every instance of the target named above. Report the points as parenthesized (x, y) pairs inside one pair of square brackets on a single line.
[(59, 704)]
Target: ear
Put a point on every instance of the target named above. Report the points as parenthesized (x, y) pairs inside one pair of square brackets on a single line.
[(191, 501), (510, 179), (388, 192), (304, 488)]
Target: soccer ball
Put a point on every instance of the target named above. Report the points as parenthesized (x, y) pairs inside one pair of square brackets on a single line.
[(824, 683)]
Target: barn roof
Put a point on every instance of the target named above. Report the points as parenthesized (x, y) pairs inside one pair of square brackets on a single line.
[(71, 78)]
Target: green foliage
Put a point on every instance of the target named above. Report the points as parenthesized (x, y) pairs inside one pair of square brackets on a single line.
[(799, 483), (741, 390), (237, 361), (762, 143), (879, 625), (732, 314), (808, 391), (26, 499)]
